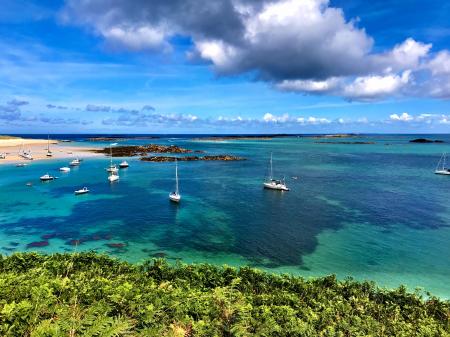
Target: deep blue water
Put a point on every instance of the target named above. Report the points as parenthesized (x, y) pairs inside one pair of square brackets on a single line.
[(372, 211)]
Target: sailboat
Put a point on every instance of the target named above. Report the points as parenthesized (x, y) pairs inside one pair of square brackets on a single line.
[(75, 162), (113, 176), (175, 196), (25, 154), (49, 153), (112, 168), (442, 169), (275, 184)]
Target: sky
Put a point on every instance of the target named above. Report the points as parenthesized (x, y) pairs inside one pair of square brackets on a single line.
[(224, 66)]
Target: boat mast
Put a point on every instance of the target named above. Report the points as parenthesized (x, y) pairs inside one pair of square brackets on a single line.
[(176, 176), (271, 167), (110, 155), (48, 143)]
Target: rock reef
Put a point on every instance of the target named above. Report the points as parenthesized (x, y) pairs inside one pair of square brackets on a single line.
[(160, 159), (141, 150)]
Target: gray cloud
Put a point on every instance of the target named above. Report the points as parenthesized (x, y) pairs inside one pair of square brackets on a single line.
[(59, 107), (17, 102), (98, 108)]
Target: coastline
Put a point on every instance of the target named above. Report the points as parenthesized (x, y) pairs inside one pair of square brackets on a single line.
[(38, 147)]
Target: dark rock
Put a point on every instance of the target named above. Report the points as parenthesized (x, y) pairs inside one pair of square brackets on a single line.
[(48, 236), (37, 244), (116, 245), (14, 244)]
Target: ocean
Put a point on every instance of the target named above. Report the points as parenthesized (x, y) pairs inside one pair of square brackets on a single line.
[(368, 211)]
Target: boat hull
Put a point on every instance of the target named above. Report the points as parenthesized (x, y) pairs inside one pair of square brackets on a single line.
[(442, 172), (174, 197), (113, 178), (277, 187)]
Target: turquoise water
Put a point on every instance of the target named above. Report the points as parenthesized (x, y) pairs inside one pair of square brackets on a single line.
[(372, 211)]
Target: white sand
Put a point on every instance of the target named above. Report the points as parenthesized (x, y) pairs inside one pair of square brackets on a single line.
[(38, 148)]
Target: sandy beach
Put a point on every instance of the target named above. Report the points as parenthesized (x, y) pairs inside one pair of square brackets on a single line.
[(38, 148)]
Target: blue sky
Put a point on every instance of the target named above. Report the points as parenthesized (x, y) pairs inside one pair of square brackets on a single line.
[(224, 66)]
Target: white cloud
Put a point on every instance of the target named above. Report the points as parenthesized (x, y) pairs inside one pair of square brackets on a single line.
[(309, 86), (268, 117), (135, 38), (371, 87), (404, 117)]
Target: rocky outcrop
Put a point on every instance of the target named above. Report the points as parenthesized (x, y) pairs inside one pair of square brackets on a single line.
[(141, 150), (160, 159)]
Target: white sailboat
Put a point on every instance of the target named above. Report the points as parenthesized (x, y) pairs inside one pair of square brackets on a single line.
[(175, 196), (112, 168), (113, 176), (442, 169), (49, 153), (275, 184), (25, 154)]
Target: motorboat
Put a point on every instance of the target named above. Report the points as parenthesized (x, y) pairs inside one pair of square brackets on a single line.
[(124, 164), (83, 190), (75, 162), (113, 176), (47, 177), (64, 169)]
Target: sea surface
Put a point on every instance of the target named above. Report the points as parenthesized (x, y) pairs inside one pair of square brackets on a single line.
[(369, 211)]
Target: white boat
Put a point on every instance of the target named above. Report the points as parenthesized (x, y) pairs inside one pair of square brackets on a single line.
[(275, 184), (75, 162), (175, 196), (47, 177), (49, 153), (113, 176), (441, 167), (21, 165), (84, 190), (64, 169), (124, 164), (25, 154)]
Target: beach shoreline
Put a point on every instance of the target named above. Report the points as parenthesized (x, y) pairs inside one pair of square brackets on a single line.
[(38, 148)]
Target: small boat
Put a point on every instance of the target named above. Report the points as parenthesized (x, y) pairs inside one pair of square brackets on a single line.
[(442, 169), (124, 164), (175, 196), (84, 190), (75, 162), (49, 153), (275, 184), (64, 169), (113, 176), (47, 177), (29, 184), (21, 165), (112, 169)]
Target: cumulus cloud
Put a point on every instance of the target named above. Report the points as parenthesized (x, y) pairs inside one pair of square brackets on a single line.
[(305, 46)]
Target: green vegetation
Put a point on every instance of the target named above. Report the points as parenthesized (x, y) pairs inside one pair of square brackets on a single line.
[(94, 295)]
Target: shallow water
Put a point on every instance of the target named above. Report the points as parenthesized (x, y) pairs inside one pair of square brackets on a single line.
[(372, 211)]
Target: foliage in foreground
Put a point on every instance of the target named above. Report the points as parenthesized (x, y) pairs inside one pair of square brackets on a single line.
[(87, 294)]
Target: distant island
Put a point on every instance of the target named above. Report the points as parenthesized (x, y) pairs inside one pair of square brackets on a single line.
[(424, 140), (242, 137), (119, 138), (86, 294), (349, 143)]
